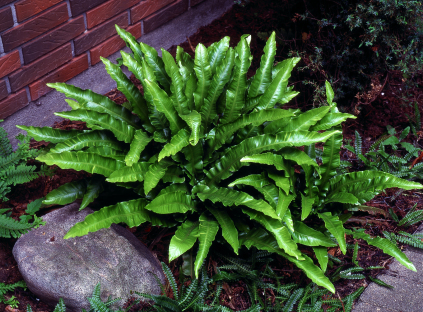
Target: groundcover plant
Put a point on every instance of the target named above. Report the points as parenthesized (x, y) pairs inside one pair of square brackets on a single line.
[(213, 155)]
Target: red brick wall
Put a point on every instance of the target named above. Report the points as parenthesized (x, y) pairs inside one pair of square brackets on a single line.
[(53, 40)]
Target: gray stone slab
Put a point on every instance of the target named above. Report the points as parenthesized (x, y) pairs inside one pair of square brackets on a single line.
[(366, 307), (40, 113)]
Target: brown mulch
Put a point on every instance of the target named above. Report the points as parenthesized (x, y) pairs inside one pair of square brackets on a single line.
[(389, 108)]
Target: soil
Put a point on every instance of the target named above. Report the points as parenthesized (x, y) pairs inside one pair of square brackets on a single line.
[(390, 106)]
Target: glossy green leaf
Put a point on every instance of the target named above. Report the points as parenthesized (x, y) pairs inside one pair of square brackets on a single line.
[(107, 152), (174, 174), (235, 94), (49, 134), (94, 188), (164, 104), (267, 159), (387, 247), (120, 129), (176, 144), (155, 172), (306, 206), (322, 256), (331, 161), (263, 76), (254, 180), (207, 232), (342, 197), (130, 41), (130, 174), (204, 75), (194, 156), (95, 138), (193, 120), (231, 161), (283, 183), (156, 63), (262, 240), (307, 236), (130, 212), (279, 231), (229, 231), (283, 204), (329, 93), (131, 92), (330, 120), (92, 101), (229, 197), (175, 202), (185, 237), (66, 194), (138, 144), (88, 162), (335, 227), (217, 52)]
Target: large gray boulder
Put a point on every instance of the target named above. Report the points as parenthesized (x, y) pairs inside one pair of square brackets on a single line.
[(55, 268)]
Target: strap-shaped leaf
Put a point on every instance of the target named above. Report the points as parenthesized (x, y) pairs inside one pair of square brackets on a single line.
[(308, 236), (174, 202), (176, 144), (185, 237), (184, 60), (204, 75), (282, 182), (193, 120), (94, 188), (224, 132), (156, 63), (322, 256), (130, 174), (49, 134), (283, 203), (219, 80), (66, 194), (122, 131), (133, 65), (174, 174), (298, 156), (178, 97), (254, 180), (107, 152), (267, 159), (235, 94), (190, 87), (95, 138), (279, 231), (342, 197), (131, 42), (231, 161), (335, 227), (217, 52), (88, 162), (329, 93), (194, 155), (302, 122), (138, 144), (164, 104), (331, 161), (260, 239), (229, 231), (331, 120), (263, 76), (155, 172), (130, 212), (96, 102), (277, 87), (131, 92), (207, 232), (306, 206), (387, 247), (368, 181), (230, 197)]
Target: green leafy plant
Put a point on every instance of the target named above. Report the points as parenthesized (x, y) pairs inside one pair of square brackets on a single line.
[(210, 152), (13, 167), (4, 288), (378, 158)]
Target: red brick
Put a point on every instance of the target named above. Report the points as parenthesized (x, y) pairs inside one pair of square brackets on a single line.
[(4, 2), (97, 35), (107, 10), (6, 18), (112, 45), (3, 90), (28, 8), (162, 17), (39, 68), (13, 103), (147, 8), (53, 39), (64, 73), (81, 6), (9, 63), (195, 2), (34, 27)]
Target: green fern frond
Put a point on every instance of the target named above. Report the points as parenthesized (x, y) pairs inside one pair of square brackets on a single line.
[(411, 218), (171, 280), (4, 288), (20, 174), (12, 228), (60, 307), (357, 144), (296, 295), (5, 146), (380, 282)]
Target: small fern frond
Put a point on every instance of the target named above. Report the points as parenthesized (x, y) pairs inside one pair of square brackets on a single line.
[(5, 146), (411, 218), (60, 307), (355, 253), (4, 288), (171, 280), (381, 283), (12, 228), (296, 295), (357, 144)]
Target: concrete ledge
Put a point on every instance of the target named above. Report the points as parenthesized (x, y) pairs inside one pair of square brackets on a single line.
[(40, 113)]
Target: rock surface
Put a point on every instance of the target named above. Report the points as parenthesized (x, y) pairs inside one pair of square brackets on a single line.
[(55, 268)]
